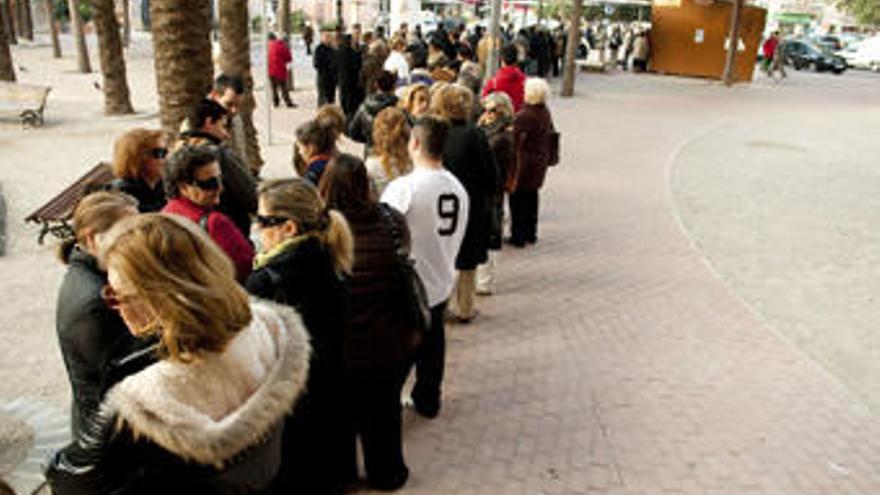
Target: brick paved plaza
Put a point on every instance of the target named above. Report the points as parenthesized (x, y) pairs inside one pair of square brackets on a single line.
[(647, 344)]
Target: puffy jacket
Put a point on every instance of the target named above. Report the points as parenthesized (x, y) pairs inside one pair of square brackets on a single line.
[(361, 127), (279, 57), (509, 79)]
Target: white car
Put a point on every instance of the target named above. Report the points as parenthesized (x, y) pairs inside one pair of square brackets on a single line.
[(863, 55)]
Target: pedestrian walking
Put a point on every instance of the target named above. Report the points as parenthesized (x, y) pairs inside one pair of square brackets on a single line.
[(308, 37), (435, 205)]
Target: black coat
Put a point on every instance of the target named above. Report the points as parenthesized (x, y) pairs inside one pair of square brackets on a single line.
[(351, 94), (324, 62), (361, 127), (317, 436), (150, 199), (93, 338), (467, 155)]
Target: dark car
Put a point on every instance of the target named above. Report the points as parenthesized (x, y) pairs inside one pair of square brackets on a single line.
[(805, 55)]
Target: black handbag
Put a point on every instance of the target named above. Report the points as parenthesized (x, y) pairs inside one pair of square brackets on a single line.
[(553, 138), (415, 299)]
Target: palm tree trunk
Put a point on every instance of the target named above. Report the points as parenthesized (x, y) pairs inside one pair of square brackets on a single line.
[(53, 28), (82, 51), (571, 49), (9, 22), (126, 23), (7, 70), (284, 18), (25, 19), (182, 47), (235, 59), (116, 95)]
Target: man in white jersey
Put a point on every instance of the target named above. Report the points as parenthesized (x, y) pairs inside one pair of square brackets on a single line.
[(435, 205)]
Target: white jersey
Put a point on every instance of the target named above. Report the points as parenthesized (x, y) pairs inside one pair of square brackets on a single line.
[(436, 208)]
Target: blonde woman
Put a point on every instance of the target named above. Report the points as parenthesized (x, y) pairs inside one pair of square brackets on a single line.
[(138, 159), (206, 418), (307, 254), (389, 158), (415, 100), (90, 334), (467, 155)]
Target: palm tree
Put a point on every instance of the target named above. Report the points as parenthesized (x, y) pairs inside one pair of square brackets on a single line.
[(182, 47), (25, 19), (574, 39), (284, 18), (126, 23), (82, 51), (9, 22), (235, 59), (7, 70), (116, 97), (53, 28)]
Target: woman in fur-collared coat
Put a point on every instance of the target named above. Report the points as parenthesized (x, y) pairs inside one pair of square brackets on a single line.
[(207, 417)]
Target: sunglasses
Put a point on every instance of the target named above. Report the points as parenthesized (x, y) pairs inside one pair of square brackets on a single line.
[(269, 221), (112, 299), (211, 184), (159, 153)]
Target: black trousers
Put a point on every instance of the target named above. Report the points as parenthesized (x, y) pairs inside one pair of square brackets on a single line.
[(430, 361), (523, 216), (556, 66), (375, 407), (326, 93), (279, 86)]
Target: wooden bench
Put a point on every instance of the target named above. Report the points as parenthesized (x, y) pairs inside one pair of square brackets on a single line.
[(54, 216), (26, 101)]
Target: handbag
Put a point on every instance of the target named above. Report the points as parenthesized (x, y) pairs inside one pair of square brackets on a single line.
[(553, 138), (417, 311)]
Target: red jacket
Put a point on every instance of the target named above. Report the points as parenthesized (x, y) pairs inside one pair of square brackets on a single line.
[(770, 47), (221, 229), (510, 80), (279, 57)]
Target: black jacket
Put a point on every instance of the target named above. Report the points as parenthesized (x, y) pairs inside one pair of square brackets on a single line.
[(324, 62), (150, 199), (92, 337), (361, 127), (467, 155), (317, 435)]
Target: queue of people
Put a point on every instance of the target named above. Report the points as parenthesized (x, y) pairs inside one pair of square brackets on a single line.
[(239, 335)]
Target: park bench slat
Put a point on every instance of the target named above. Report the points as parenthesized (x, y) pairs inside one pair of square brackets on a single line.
[(27, 101)]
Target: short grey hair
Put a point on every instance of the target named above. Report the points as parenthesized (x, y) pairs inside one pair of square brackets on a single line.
[(537, 91), (501, 101)]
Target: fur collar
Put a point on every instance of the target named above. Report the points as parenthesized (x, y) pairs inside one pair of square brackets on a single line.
[(213, 409)]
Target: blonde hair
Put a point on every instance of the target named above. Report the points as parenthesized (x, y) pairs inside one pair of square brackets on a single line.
[(408, 99), (183, 277), (390, 138), (299, 200), (453, 102), (501, 101), (332, 118), (95, 214), (131, 150), (536, 92)]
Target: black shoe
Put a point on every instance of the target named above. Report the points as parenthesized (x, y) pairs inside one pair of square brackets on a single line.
[(292, 105), (533, 240), (427, 408), (515, 242)]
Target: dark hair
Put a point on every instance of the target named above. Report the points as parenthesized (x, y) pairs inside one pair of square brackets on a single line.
[(226, 81), (345, 185), (431, 131), (314, 133), (509, 54), (180, 167), (385, 81), (5, 489), (272, 36), (204, 110), (465, 52), (418, 56)]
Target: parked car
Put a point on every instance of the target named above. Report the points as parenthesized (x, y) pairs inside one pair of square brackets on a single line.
[(829, 42), (863, 55), (802, 54)]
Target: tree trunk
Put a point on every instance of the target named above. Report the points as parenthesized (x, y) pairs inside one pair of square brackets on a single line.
[(7, 69), (126, 23), (182, 47), (235, 59), (82, 51), (284, 18), (9, 22), (25, 19), (571, 49), (53, 28), (116, 96), (730, 62)]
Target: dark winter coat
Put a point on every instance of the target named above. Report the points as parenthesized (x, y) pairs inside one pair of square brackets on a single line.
[(503, 146), (324, 62), (92, 336), (361, 127), (532, 128), (154, 434), (348, 64), (317, 436), (467, 155), (150, 199), (377, 336)]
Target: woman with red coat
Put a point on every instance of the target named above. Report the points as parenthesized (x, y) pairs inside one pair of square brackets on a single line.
[(532, 129), (279, 57), (193, 184)]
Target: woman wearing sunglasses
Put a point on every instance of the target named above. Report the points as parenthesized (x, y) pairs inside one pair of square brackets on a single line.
[(207, 417), (306, 258), (138, 159), (90, 334), (193, 184)]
